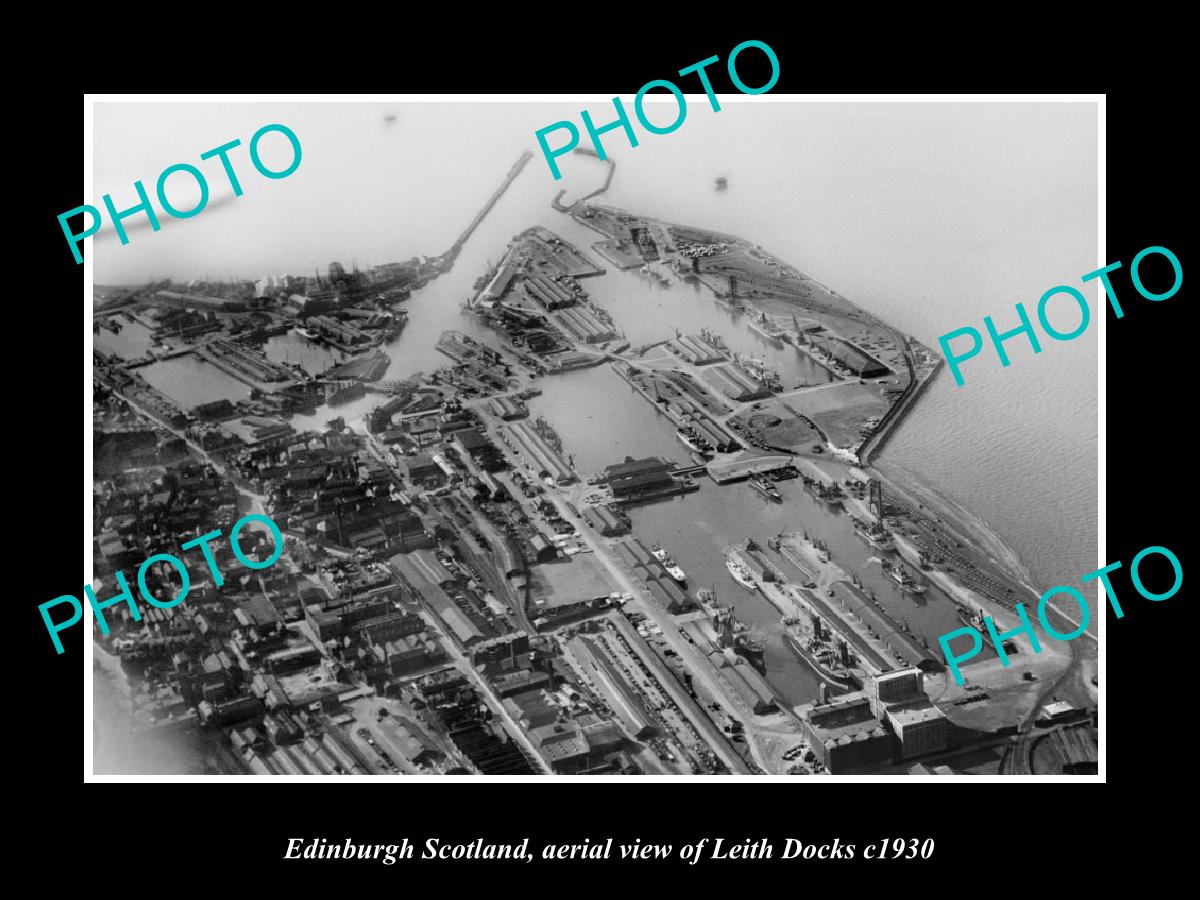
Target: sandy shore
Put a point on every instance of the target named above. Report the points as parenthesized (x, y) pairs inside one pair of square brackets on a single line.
[(958, 520)]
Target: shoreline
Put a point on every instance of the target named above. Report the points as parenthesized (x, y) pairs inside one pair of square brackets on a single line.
[(912, 488)]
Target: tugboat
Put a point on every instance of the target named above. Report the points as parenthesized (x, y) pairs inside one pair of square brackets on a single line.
[(740, 574), (669, 564), (767, 489), (903, 577), (972, 620)]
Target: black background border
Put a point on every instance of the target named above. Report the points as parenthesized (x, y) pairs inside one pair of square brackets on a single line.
[(1148, 399)]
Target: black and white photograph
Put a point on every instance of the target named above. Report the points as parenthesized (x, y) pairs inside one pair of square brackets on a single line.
[(514, 438)]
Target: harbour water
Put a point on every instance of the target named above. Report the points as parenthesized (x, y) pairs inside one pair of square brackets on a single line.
[(190, 382), (131, 342), (292, 348)]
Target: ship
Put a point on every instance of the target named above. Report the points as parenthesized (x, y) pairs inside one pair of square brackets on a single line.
[(899, 574), (669, 564), (831, 494), (972, 620), (730, 632), (722, 183), (767, 489), (783, 473), (693, 441), (874, 534), (817, 654), (751, 648), (740, 573), (307, 333)]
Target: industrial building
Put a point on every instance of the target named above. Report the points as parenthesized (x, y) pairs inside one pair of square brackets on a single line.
[(845, 736), (749, 687), (641, 476), (853, 357), (583, 325), (898, 698), (507, 408), (547, 293), (543, 459), (605, 521), (734, 384), (696, 350), (621, 697)]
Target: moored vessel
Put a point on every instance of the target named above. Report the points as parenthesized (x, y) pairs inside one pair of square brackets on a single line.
[(874, 534), (831, 494), (903, 577), (690, 439), (740, 573), (767, 489), (817, 653), (669, 564), (972, 619)]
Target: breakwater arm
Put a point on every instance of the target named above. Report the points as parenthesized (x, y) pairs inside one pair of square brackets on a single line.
[(877, 438)]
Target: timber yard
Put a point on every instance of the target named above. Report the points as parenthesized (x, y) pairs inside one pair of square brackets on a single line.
[(583, 541)]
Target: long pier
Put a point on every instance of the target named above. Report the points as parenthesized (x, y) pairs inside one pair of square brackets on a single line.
[(457, 246)]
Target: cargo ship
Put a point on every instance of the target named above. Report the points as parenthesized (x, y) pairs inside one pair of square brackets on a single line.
[(767, 489), (817, 653), (732, 633), (690, 439), (874, 534), (669, 564), (740, 573)]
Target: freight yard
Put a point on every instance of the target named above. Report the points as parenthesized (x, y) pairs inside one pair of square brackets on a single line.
[(466, 587)]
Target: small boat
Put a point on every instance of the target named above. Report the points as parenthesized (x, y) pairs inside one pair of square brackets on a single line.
[(740, 573), (904, 578), (972, 620), (767, 489), (722, 183), (307, 333)]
